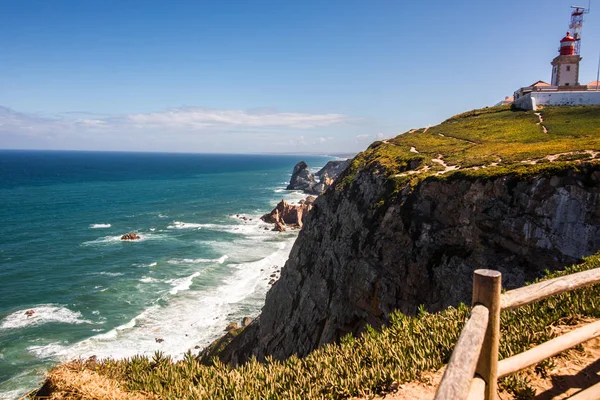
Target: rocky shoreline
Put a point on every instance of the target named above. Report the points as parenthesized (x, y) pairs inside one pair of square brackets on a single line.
[(286, 215)]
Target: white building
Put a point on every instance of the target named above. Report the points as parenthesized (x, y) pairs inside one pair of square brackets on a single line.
[(564, 88)]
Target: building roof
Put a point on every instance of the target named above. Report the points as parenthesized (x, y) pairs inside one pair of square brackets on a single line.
[(507, 100), (568, 38), (593, 84), (540, 83)]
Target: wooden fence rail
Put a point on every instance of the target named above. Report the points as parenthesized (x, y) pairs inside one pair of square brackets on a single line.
[(474, 369)]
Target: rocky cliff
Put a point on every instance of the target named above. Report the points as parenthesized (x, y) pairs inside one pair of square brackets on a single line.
[(333, 168), (315, 184), (400, 228), (301, 178)]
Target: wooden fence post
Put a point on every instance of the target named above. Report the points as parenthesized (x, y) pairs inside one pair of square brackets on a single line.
[(487, 288)]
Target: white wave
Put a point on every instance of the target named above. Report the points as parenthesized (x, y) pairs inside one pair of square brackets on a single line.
[(162, 216), (219, 260), (251, 228), (43, 314), (97, 226), (184, 225), (152, 264), (108, 273), (182, 284), (148, 279), (152, 229), (188, 317), (46, 351), (13, 394)]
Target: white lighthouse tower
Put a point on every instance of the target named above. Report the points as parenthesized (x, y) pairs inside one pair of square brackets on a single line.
[(565, 66)]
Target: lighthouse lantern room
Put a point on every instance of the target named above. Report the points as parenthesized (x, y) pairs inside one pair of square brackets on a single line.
[(565, 66)]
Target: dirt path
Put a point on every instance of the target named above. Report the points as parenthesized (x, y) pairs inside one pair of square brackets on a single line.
[(554, 157), (447, 168), (570, 374), (462, 140), (541, 123)]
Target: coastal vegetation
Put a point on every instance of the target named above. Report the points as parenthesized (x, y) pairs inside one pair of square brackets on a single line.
[(372, 363)]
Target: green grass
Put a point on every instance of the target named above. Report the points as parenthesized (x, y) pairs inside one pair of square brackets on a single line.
[(369, 364), (480, 137)]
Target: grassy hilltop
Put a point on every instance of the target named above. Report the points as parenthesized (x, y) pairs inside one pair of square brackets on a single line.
[(475, 145), (490, 137)]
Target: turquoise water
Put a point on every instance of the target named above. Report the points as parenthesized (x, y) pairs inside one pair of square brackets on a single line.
[(197, 267)]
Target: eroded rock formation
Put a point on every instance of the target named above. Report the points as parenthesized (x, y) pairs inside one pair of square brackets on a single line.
[(315, 184), (288, 214), (301, 179)]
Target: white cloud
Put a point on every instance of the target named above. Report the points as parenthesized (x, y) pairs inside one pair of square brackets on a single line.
[(191, 119), (200, 118), (183, 129), (322, 139), (363, 137)]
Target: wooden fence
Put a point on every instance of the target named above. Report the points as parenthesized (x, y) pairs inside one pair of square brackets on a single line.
[(474, 369)]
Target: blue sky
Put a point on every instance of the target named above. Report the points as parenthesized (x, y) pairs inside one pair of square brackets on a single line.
[(264, 76)]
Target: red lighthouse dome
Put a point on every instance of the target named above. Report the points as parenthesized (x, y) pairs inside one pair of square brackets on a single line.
[(567, 45)]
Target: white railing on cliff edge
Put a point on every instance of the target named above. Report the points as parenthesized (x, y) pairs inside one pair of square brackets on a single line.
[(474, 369)]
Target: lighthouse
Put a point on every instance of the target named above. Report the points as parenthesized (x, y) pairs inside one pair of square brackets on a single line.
[(565, 66), (565, 89)]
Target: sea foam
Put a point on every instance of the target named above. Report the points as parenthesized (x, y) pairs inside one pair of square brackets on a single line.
[(219, 260), (184, 225), (148, 279), (43, 314), (98, 226), (107, 240), (186, 318)]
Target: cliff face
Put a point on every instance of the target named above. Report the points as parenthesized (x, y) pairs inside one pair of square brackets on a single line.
[(367, 250)]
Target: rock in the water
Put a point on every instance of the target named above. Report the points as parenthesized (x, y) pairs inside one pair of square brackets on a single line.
[(246, 321), (231, 326), (130, 236), (316, 184), (287, 214), (29, 313), (301, 179), (279, 227)]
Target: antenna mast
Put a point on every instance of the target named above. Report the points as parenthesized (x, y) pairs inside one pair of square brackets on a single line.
[(577, 23)]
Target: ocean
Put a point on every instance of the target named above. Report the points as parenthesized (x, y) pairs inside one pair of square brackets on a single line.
[(198, 265)]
